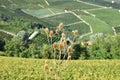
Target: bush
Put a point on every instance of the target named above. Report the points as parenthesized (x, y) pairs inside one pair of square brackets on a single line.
[(105, 48), (80, 52), (46, 51)]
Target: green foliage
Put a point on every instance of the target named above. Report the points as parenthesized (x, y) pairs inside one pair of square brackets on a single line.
[(20, 46), (4, 35), (15, 47), (80, 51), (33, 51), (46, 51), (117, 29), (2, 41), (2, 53), (101, 48), (105, 48)]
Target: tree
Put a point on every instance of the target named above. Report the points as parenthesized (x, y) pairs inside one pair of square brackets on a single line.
[(105, 48), (15, 46)]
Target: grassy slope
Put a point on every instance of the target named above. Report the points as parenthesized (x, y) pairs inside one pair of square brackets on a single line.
[(10, 11), (32, 69), (107, 3), (65, 18), (29, 4), (38, 12), (19, 15), (81, 27), (102, 23), (70, 5), (110, 16), (98, 25)]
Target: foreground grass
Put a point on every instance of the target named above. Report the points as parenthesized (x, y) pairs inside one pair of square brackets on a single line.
[(32, 69)]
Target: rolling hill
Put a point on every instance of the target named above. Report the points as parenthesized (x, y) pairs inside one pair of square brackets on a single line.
[(22, 25), (97, 16)]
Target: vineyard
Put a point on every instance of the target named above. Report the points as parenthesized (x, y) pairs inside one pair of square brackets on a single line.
[(81, 27), (98, 25), (32, 69), (69, 12), (112, 19), (65, 18), (37, 13), (107, 3), (67, 5)]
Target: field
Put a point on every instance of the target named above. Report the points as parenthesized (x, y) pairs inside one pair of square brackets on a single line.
[(26, 4), (81, 27), (110, 16), (98, 25), (66, 18), (32, 69), (69, 5), (38, 13), (107, 3)]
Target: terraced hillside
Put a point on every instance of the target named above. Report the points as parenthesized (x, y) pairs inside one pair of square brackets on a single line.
[(108, 3), (95, 15), (98, 15)]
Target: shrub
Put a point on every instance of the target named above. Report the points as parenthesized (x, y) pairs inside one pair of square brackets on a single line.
[(46, 51), (105, 48)]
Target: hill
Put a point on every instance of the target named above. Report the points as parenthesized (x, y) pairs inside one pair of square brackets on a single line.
[(68, 12), (87, 16)]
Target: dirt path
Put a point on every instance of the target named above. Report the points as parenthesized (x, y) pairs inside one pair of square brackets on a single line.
[(74, 23), (51, 11), (89, 13), (47, 2), (12, 34), (91, 30), (50, 15), (41, 6), (90, 3), (96, 9)]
